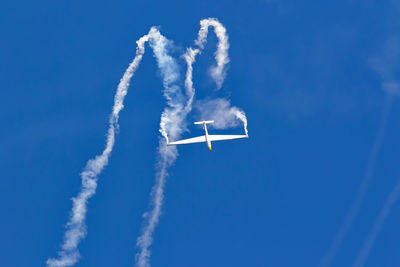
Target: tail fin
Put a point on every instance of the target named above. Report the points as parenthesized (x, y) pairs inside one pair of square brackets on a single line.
[(203, 122)]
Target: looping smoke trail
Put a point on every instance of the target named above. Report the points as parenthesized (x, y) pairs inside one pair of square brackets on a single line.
[(355, 207), (76, 228), (377, 227), (170, 126), (190, 58), (218, 72), (172, 118)]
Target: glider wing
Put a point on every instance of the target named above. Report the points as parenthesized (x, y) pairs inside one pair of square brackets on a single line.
[(199, 139), (225, 137)]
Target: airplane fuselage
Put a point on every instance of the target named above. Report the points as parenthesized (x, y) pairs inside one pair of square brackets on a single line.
[(208, 142), (206, 138)]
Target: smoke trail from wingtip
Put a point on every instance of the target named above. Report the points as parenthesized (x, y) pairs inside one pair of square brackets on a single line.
[(171, 125), (173, 117), (221, 111), (355, 207), (190, 58), (242, 116), (218, 72), (76, 227)]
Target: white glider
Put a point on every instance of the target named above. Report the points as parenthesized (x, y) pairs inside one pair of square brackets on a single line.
[(208, 138)]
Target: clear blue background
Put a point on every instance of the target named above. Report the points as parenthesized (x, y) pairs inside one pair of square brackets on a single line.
[(300, 69)]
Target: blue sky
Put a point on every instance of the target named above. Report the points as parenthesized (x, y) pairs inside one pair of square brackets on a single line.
[(309, 76)]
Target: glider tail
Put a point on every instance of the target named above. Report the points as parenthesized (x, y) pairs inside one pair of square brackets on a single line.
[(203, 122)]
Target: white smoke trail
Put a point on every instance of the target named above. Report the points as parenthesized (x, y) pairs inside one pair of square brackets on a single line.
[(170, 126), (355, 207), (76, 228), (377, 227), (221, 111), (172, 119), (190, 58), (242, 116), (218, 72)]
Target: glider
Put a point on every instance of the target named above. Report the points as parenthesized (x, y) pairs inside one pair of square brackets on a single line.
[(208, 138)]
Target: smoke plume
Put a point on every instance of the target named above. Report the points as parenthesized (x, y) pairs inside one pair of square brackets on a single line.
[(170, 126), (218, 72), (223, 114), (173, 117), (76, 227)]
